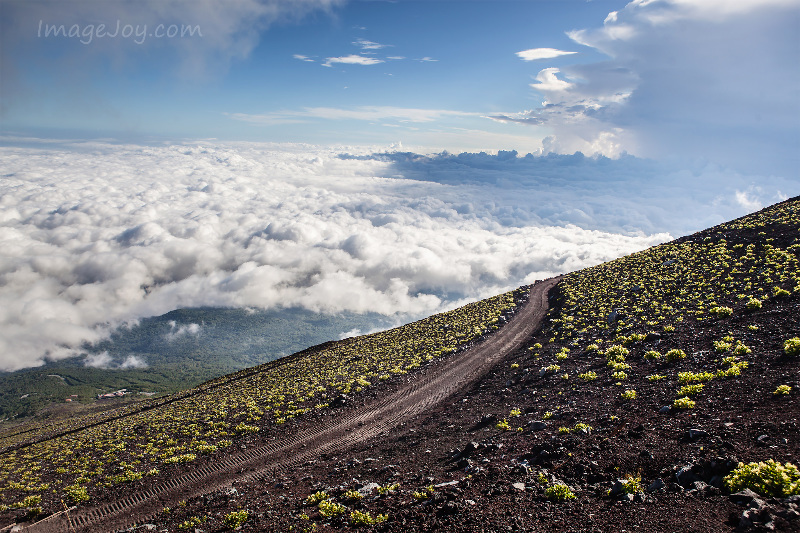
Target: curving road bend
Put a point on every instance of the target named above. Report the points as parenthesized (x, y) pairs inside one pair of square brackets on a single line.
[(423, 391)]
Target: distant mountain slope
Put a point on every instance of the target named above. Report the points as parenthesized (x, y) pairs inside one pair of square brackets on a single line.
[(173, 352)]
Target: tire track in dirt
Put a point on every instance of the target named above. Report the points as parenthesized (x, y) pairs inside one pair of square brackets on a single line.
[(423, 391)]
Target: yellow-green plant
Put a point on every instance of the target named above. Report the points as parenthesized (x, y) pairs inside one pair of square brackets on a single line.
[(782, 390), (792, 346), (328, 508), (559, 493), (235, 519), (769, 478), (683, 403)]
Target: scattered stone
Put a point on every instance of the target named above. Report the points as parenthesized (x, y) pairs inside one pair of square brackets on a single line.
[(757, 518), (464, 463), (656, 485), (698, 486), (747, 497), (665, 409), (368, 488), (695, 434), (469, 449), (537, 425), (686, 476), (339, 400), (519, 486)]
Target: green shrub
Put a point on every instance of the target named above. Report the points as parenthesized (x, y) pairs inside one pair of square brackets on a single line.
[(629, 394), (683, 403), (352, 495), (235, 519), (191, 522), (588, 376), (652, 355), (317, 497), (753, 304), (782, 390), (328, 508), (721, 311), (616, 353), (675, 354), (688, 390), (77, 493), (632, 485), (559, 493), (358, 518), (777, 292), (769, 478), (792, 346)]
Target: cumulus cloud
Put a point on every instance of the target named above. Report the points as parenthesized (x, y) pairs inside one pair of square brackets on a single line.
[(682, 78), (95, 234), (547, 81), (132, 361), (183, 330), (352, 59), (542, 53), (98, 360), (104, 361)]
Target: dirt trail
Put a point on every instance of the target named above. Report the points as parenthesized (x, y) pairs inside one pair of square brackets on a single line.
[(423, 391)]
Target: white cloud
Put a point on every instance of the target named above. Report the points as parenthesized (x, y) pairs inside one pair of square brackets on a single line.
[(104, 361), (548, 81), (427, 59), (352, 59), (301, 57), (97, 234), (98, 360), (369, 45), (368, 113), (132, 361), (542, 53), (695, 79), (183, 330)]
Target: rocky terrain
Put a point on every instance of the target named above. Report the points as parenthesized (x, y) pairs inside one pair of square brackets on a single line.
[(636, 404)]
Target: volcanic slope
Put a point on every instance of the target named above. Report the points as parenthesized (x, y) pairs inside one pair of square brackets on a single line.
[(126, 452), (654, 376)]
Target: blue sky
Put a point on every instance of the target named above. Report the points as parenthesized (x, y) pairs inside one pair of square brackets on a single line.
[(664, 78), (456, 56)]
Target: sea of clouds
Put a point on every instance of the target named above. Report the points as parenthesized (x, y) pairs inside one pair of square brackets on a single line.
[(97, 234)]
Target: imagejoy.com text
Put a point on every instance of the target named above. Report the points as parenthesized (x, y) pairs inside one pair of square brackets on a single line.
[(137, 33)]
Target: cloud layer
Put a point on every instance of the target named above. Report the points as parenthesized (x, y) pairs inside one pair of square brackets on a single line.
[(681, 78), (96, 234)]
